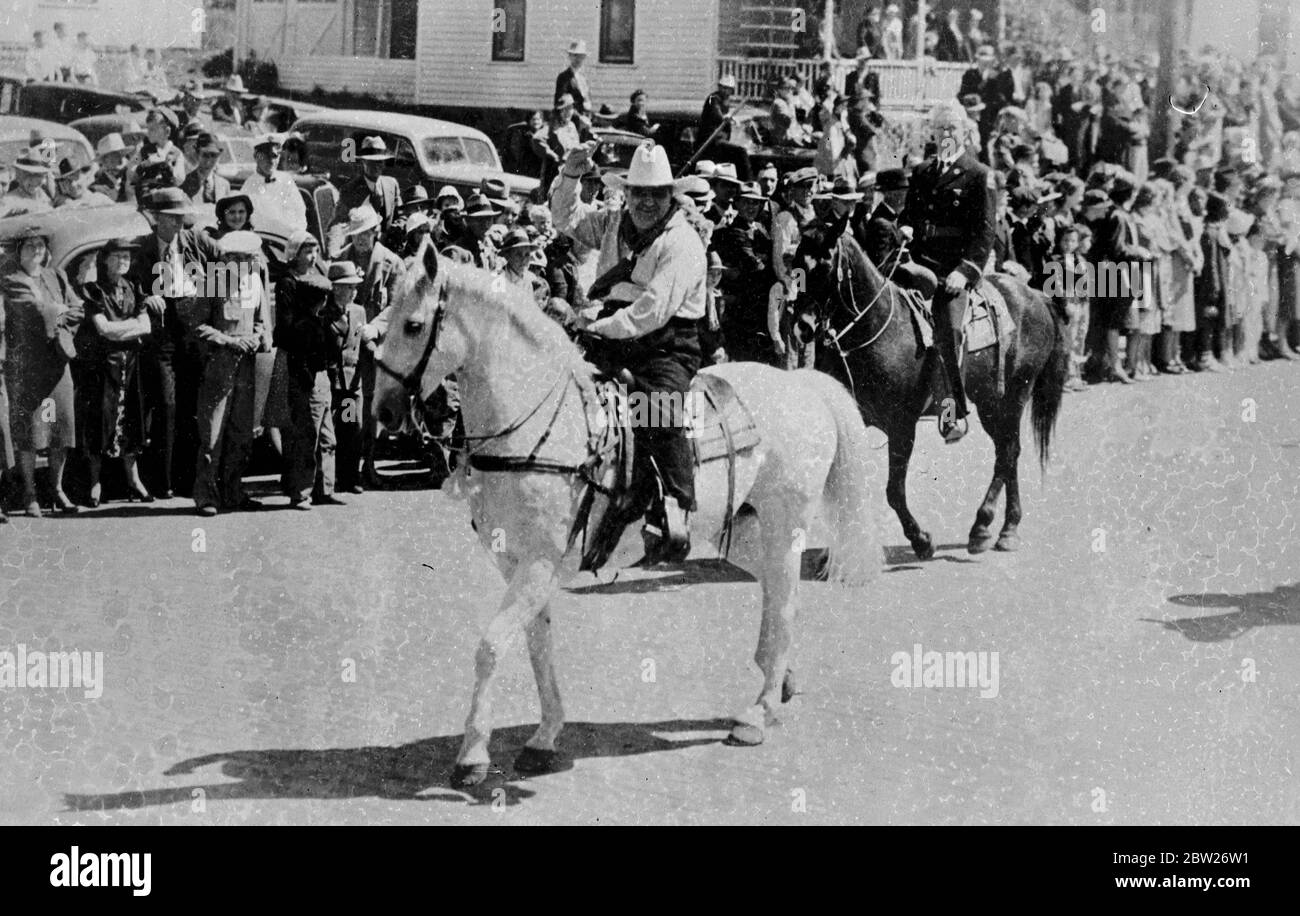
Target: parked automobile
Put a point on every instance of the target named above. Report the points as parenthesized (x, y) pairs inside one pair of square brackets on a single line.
[(17, 133), (96, 127), (614, 154), (431, 152), (66, 102)]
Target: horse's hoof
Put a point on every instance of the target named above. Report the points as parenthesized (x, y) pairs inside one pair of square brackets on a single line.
[(468, 775), (534, 761), (1008, 543), (788, 687), (979, 543), (923, 547), (745, 735)]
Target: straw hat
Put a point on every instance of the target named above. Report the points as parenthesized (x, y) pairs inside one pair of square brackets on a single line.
[(361, 219)]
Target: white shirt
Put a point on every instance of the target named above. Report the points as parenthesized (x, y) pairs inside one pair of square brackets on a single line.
[(40, 63), (85, 62), (670, 276), (277, 199)]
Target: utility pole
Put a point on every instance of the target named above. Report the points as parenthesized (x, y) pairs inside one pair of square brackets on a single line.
[(1169, 17)]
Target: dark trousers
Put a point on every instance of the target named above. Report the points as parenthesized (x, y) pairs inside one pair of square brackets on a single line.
[(662, 365), (347, 437), (948, 310), (172, 377)]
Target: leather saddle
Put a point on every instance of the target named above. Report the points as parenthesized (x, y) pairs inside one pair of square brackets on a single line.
[(720, 427)]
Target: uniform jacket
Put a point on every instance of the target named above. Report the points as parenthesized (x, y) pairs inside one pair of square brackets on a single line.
[(951, 215)]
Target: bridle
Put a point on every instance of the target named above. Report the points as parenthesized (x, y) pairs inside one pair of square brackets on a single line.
[(411, 381), (837, 269)]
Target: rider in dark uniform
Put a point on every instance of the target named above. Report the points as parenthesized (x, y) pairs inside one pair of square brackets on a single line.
[(950, 209), (652, 291)]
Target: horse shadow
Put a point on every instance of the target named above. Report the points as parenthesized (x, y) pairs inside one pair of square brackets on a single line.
[(1278, 607), (812, 566), (418, 771), (901, 557)]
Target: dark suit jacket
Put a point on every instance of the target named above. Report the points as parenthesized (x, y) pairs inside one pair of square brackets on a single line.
[(355, 193), (952, 46), (711, 116), (871, 81), (566, 82), (192, 188), (196, 248), (951, 216), (379, 278), (995, 92), (1114, 242)]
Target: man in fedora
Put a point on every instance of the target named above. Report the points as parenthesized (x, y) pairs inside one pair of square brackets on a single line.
[(517, 251), (71, 184), (474, 238), (415, 203), (744, 247), (203, 185), (712, 133), (165, 266), (950, 207), (111, 152), (372, 185), (651, 293), (230, 107), (884, 241), (572, 81), (563, 131), (275, 193), (347, 321), (381, 270), (725, 186), (28, 195)]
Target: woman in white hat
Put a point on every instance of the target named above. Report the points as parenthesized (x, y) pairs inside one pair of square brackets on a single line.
[(28, 194), (233, 330), (651, 293)]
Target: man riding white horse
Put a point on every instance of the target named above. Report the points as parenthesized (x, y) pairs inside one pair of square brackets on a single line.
[(649, 296)]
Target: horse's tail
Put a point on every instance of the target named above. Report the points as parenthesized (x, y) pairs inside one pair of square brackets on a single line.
[(856, 554), (1049, 386)]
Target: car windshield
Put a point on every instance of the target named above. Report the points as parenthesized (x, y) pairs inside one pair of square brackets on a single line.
[(10, 150), (448, 150), (237, 149)]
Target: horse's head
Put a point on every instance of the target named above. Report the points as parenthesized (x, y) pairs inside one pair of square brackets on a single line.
[(816, 256), (426, 339)]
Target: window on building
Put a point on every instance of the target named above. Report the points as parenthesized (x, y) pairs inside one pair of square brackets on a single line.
[(508, 24), (384, 28), (617, 31)]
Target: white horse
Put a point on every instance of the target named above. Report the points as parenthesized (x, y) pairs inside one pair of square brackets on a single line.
[(519, 376)]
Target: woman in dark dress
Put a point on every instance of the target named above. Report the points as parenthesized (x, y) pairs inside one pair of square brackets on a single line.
[(42, 312), (111, 401)]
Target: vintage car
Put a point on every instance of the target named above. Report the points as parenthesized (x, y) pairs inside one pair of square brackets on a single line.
[(614, 153), (431, 152), (65, 102)]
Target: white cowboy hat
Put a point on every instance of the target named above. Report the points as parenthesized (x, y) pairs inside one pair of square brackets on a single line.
[(361, 219), (649, 169), (578, 47)]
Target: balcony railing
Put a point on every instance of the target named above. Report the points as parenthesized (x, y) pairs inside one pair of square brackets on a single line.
[(903, 83)]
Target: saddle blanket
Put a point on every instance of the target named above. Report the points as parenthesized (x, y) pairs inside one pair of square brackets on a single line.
[(978, 328)]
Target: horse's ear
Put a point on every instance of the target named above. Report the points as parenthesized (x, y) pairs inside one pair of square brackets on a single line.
[(430, 259)]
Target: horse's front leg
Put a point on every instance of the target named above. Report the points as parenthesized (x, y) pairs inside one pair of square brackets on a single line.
[(539, 755), (902, 437), (782, 563), (534, 581)]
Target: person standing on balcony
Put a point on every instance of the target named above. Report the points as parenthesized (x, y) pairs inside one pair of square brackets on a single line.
[(892, 40), (572, 81), (715, 118), (952, 43), (85, 61)]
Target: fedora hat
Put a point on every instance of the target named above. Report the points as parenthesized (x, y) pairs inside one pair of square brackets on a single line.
[(166, 115), (243, 242), (805, 175), (649, 169), (67, 169), (563, 100), (169, 200), (110, 144), (345, 273), (448, 198), (28, 162), (478, 205), (697, 189), (578, 47), (415, 197), (374, 149), (494, 189), (844, 189), (517, 238), (208, 143), (726, 172), (706, 167), (361, 219), (892, 180), (236, 84), (750, 190)]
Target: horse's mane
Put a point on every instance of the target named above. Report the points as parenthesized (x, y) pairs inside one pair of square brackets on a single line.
[(481, 285)]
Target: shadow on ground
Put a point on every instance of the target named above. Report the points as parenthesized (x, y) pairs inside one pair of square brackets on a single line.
[(1281, 606), (412, 772)]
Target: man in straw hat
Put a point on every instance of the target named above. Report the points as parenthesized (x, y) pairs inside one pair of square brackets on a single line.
[(950, 207), (111, 153), (274, 193), (372, 185), (28, 194), (231, 328), (71, 182), (381, 270), (651, 289)]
